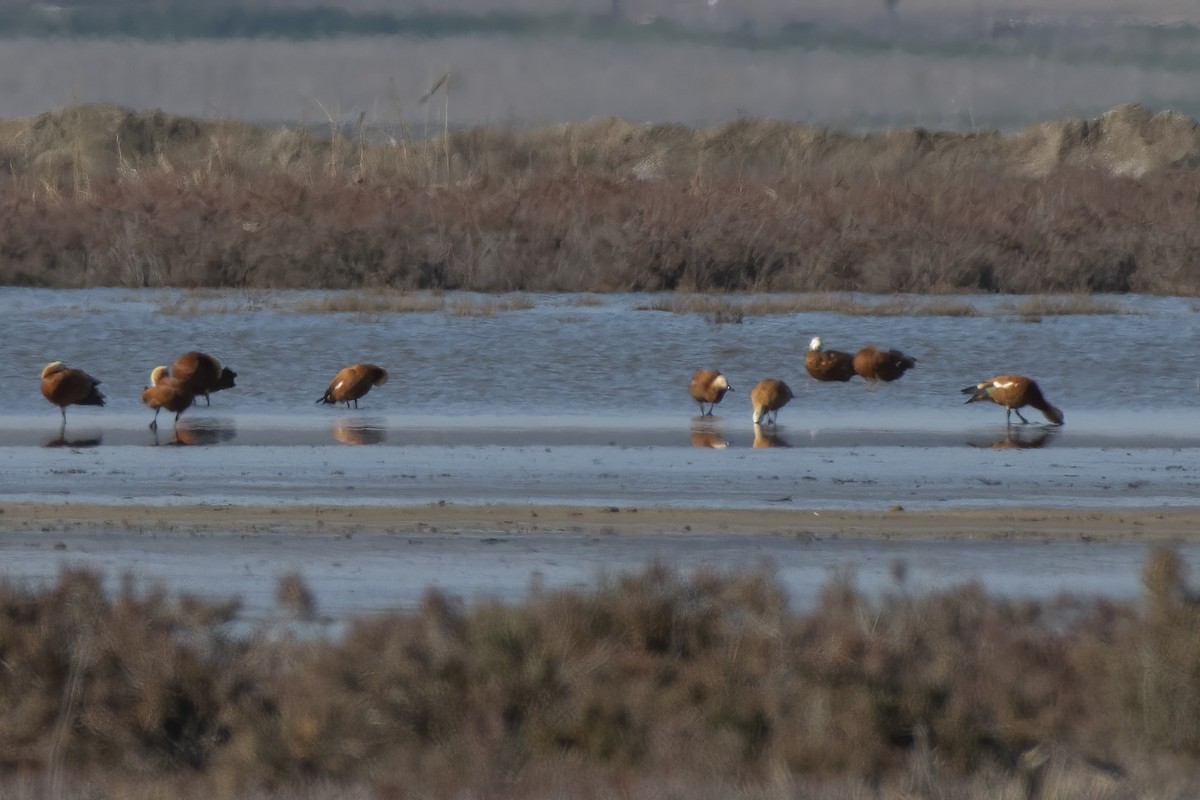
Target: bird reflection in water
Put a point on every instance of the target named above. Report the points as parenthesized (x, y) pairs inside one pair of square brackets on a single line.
[(201, 432), (708, 434), (360, 431), (1020, 438), (768, 437), (76, 441)]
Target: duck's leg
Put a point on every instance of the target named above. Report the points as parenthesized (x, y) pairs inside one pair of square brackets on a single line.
[(1017, 411)]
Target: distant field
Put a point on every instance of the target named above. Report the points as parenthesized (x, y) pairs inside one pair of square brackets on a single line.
[(537, 81)]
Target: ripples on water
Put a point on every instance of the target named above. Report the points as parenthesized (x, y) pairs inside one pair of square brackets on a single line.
[(599, 359)]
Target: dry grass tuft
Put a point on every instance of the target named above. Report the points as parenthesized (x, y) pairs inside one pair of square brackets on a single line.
[(725, 309), (373, 302), (488, 308), (294, 596)]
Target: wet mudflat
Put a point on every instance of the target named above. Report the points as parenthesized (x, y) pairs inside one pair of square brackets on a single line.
[(582, 403)]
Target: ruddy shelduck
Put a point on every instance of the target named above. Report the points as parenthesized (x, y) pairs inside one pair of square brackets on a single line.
[(1014, 392), (167, 392), (828, 365), (352, 383), (203, 374), (882, 365), (767, 397), (708, 386), (64, 386)]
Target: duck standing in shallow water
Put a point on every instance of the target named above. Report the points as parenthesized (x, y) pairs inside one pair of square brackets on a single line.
[(203, 374), (167, 392), (708, 386), (1014, 392), (352, 383), (828, 365), (64, 386), (767, 397), (874, 364)]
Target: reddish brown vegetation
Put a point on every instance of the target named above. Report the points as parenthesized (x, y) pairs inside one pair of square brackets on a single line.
[(1071, 232), (601, 207), (711, 677)]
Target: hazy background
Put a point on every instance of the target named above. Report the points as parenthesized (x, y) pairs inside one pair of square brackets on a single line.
[(859, 65)]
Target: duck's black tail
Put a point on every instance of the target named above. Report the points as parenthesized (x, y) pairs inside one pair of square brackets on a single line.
[(225, 381), (94, 398)]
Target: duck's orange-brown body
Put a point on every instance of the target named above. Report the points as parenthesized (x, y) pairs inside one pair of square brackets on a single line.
[(167, 392), (64, 387), (352, 383), (202, 373), (882, 365), (708, 386), (1014, 392), (828, 365), (767, 397)]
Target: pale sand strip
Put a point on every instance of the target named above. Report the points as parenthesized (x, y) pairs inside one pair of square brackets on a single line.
[(992, 524)]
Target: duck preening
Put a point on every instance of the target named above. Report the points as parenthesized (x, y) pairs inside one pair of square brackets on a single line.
[(64, 386), (203, 374), (708, 386), (767, 397), (1014, 392), (167, 392), (828, 365), (352, 383), (874, 364)]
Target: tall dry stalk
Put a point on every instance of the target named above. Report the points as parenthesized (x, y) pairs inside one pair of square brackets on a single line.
[(444, 84), (335, 136)]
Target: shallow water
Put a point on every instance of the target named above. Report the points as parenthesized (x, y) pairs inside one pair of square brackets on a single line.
[(369, 573), (584, 400)]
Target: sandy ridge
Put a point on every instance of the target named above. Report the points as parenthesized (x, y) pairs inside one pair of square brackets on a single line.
[(989, 524)]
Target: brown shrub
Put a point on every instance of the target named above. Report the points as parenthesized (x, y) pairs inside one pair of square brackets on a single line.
[(654, 674)]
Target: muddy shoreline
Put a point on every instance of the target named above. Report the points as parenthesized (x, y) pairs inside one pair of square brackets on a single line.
[(1109, 525)]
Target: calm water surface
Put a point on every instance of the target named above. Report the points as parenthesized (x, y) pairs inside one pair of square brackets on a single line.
[(583, 400)]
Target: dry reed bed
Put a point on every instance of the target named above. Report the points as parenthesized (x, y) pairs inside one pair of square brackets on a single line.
[(99, 196), (707, 681), (1073, 232)]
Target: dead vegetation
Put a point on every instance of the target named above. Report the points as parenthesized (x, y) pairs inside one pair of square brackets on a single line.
[(190, 303), (95, 195), (723, 309), (707, 684)]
